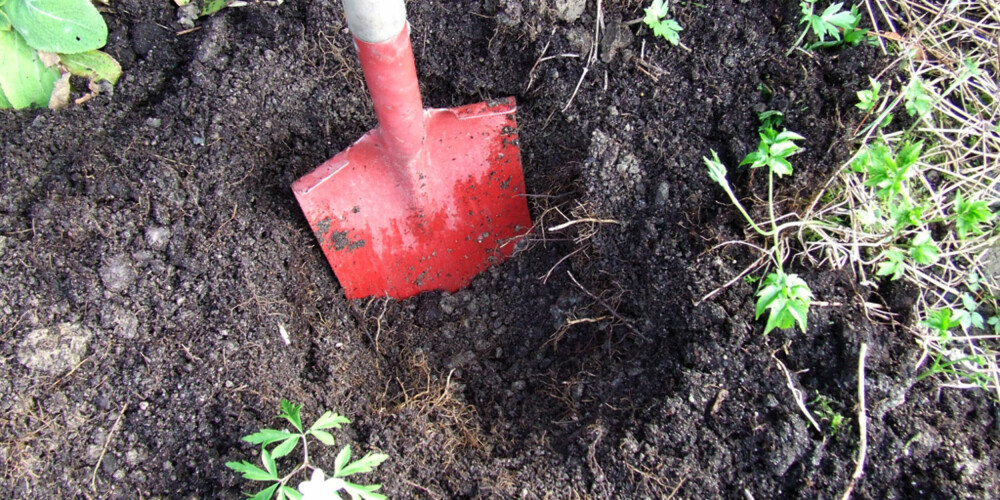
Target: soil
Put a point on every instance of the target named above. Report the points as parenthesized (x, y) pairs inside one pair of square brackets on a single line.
[(152, 252)]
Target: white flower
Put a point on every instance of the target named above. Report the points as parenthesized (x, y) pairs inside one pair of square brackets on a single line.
[(319, 487)]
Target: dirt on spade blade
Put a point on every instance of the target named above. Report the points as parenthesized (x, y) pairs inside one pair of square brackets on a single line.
[(152, 253)]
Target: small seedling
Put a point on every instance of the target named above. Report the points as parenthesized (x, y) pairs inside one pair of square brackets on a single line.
[(923, 249), (917, 101), (773, 151), (970, 215), (834, 27), (825, 411), (787, 297), (42, 42), (867, 99), (656, 19), (319, 485)]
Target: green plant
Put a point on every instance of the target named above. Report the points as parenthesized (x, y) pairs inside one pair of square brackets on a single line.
[(42, 42), (656, 19), (970, 216), (319, 485), (867, 99), (825, 411), (785, 297), (915, 200), (834, 27)]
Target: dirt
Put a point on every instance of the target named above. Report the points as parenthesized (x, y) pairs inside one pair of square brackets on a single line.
[(152, 252)]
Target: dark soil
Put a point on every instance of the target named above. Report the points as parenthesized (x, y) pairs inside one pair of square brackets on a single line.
[(151, 250)]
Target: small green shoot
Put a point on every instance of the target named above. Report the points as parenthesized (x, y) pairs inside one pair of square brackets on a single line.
[(867, 99), (917, 101), (656, 19), (970, 215), (787, 297), (773, 151), (319, 485), (826, 413), (923, 249), (834, 27)]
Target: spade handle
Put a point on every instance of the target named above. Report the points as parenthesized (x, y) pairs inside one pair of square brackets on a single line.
[(382, 36)]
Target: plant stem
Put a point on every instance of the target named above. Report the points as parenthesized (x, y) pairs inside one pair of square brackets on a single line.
[(770, 207), (739, 206)]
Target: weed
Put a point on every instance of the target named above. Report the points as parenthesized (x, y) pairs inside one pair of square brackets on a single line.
[(785, 297), (832, 28), (42, 43), (656, 19), (319, 485), (826, 413), (917, 202)]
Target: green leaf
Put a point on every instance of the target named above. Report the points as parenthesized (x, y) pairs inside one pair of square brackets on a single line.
[(290, 412), (268, 461), (923, 249), (656, 11), (265, 494), (23, 77), (918, 102), (291, 493), (4, 21), (323, 436), (267, 436), (212, 6), (867, 99), (341, 461), (329, 420), (364, 492), (893, 265), (286, 446), (93, 65), (787, 298), (366, 464), (969, 215), (4, 103), (62, 26), (251, 471), (669, 30)]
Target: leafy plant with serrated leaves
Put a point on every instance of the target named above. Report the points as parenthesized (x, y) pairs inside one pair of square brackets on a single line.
[(42, 43), (833, 27), (785, 297), (662, 26), (319, 485)]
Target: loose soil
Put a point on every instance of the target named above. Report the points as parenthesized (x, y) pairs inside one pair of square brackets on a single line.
[(152, 252)]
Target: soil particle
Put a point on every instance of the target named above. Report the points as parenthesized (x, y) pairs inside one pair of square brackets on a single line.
[(54, 350)]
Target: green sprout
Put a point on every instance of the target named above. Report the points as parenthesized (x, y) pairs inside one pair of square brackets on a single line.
[(969, 215), (867, 99), (656, 19), (787, 297), (923, 249), (834, 27), (825, 411), (773, 151), (917, 101), (319, 483), (894, 264), (42, 42)]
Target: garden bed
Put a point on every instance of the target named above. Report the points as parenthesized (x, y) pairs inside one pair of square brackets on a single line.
[(152, 252)]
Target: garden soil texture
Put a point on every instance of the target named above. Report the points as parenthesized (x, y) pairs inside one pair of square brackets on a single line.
[(152, 254)]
